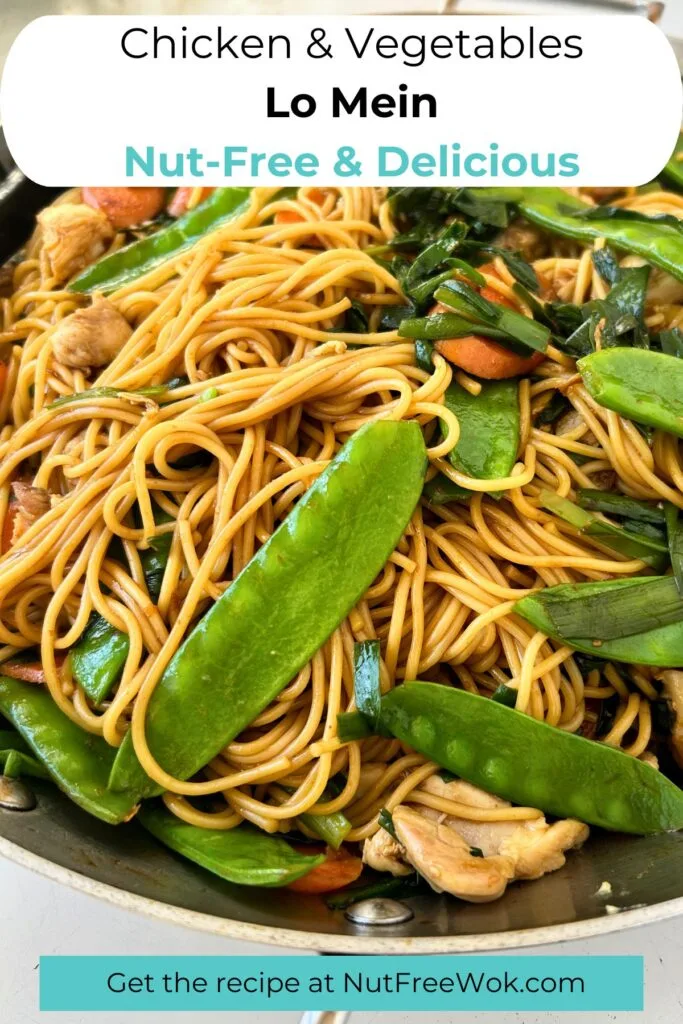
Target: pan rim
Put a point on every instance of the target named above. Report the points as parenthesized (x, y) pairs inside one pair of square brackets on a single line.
[(319, 942)]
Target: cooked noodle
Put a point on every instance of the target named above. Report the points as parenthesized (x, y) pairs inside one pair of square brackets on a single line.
[(251, 316)]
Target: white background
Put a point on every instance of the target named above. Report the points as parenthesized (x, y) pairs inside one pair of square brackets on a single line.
[(42, 917), (215, 102)]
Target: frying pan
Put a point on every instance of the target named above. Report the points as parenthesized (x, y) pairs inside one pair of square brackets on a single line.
[(125, 866)]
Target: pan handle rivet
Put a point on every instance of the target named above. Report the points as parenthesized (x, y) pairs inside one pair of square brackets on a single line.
[(379, 911), (15, 795)]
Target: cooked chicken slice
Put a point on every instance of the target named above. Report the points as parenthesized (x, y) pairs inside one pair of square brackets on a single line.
[(673, 691), (92, 336), (535, 847), (446, 849), (74, 235), (445, 860), (484, 835), (31, 503), (524, 238), (383, 853)]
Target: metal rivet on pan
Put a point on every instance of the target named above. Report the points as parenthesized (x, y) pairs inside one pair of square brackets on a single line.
[(379, 911), (15, 795)]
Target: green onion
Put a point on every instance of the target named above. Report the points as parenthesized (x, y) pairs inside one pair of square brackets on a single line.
[(209, 395), (674, 529), (332, 828), (399, 888), (506, 695), (472, 306), (387, 822), (620, 505), (423, 355), (441, 490), (650, 550), (366, 680), (637, 606), (446, 325), (351, 725), (106, 392)]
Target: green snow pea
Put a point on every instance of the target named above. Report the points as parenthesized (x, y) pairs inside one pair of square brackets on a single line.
[(660, 644), (77, 761), (489, 437), (673, 170), (15, 764), (643, 385), (552, 209), (489, 428), (565, 775), (99, 656), (138, 258), (284, 605), (243, 855)]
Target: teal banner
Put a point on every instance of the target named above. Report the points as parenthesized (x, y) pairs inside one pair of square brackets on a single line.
[(243, 983)]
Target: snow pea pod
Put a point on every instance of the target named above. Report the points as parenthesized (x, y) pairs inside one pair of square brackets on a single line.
[(243, 855), (77, 761), (552, 208), (489, 428), (673, 171), (284, 605), (15, 763), (138, 258), (99, 656), (565, 775), (643, 385), (661, 645)]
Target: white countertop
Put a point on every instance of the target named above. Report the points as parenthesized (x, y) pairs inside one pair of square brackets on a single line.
[(41, 917)]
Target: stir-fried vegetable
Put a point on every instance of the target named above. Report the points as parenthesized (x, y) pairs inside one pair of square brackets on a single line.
[(637, 620), (673, 171), (283, 606), (530, 763), (489, 429), (651, 550), (674, 529), (556, 211), (243, 855), (643, 385), (99, 656), (134, 260), (77, 761)]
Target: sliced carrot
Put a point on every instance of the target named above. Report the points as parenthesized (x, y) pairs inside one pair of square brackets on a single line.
[(316, 196), (181, 198), (340, 868), (126, 207), (29, 671), (480, 356), (4, 370)]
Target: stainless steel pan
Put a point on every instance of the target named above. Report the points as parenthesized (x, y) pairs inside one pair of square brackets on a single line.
[(125, 866)]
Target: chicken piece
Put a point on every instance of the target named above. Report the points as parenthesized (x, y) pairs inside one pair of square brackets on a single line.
[(536, 848), (483, 835), (445, 849), (533, 846), (28, 504), (74, 235), (673, 691), (445, 860), (92, 336), (383, 853), (525, 238)]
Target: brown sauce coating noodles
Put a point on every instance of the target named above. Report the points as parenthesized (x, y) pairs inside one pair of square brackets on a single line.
[(253, 311)]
